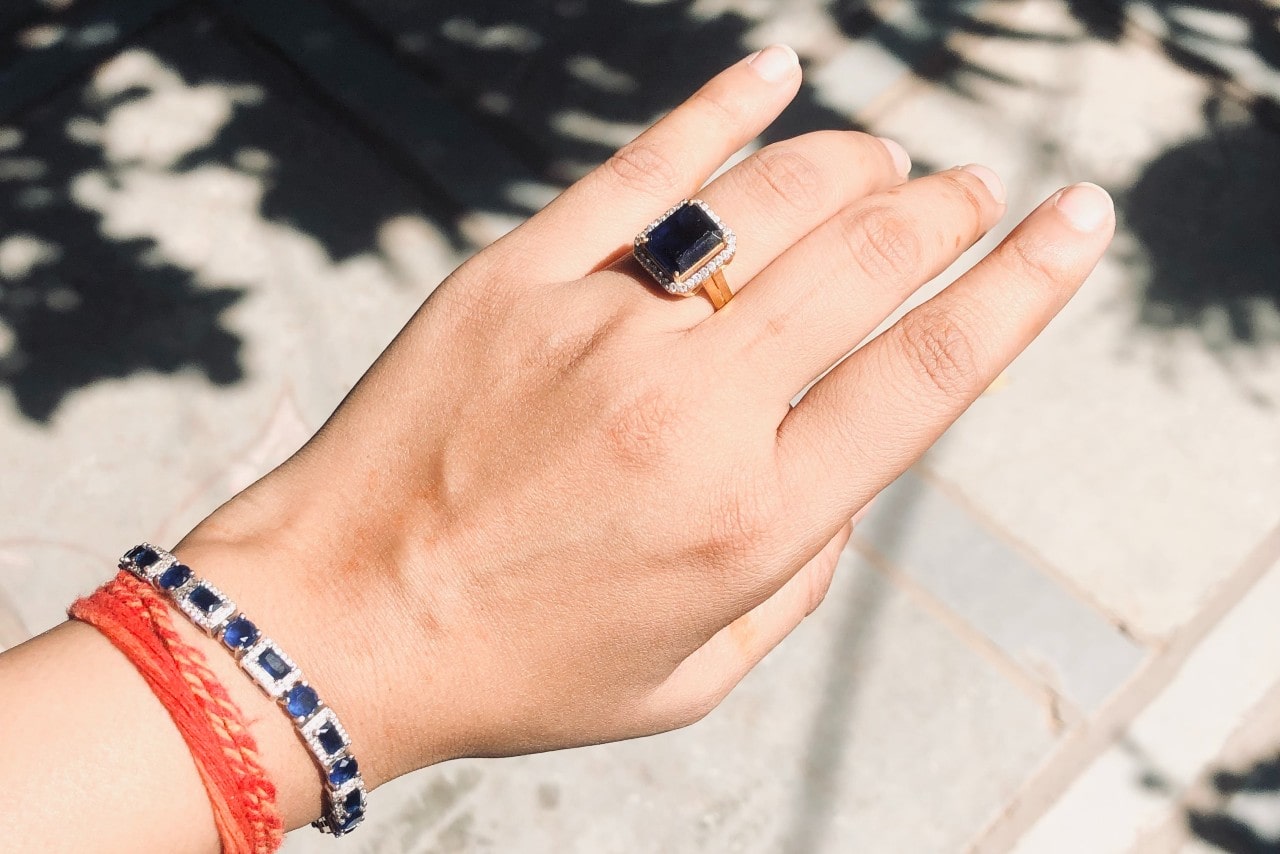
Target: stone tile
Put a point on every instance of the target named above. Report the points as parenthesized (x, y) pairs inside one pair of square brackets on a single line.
[(1135, 785), (1132, 448), (870, 729), (198, 263), (1058, 639)]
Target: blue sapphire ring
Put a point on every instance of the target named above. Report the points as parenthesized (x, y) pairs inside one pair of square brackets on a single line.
[(686, 249)]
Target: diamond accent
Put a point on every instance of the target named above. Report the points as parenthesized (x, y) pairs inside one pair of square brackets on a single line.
[(336, 820), (209, 621), (273, 686), (691, 284), (310, 733)]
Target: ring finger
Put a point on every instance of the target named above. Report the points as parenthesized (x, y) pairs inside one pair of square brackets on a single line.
[(775, 197)]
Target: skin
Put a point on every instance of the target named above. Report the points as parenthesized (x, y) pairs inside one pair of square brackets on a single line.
[(563, 507)]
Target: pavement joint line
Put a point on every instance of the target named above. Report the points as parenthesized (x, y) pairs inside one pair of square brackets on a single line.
[(1060, 712), (1030, 554), (1078, 748)]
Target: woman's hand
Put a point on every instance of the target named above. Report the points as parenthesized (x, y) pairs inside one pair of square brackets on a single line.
[(565, 508)]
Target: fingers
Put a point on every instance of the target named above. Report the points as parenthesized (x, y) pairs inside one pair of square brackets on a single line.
[(600, 215), (781, 193), (704, 678), (869, 418), (826, 293)]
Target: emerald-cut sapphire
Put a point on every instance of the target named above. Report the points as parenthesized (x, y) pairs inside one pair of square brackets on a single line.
[(343, 770), (330, 739), (175, 576), (240, 633), (274, 665), (204, 598), (142, 556), (682, 242), (350, 821), (353, 802), (301, 701)]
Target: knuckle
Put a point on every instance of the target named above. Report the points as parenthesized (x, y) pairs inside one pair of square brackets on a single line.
[(697, 707), (644, 430), (882, 243), (818, 583), (786, 175), (972, 201), (720, 111), (1027, 259), (941, 351), (642, 167), (745, 525)]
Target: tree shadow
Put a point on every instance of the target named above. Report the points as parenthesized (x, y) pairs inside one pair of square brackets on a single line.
[(92, 306), (1206, 214), (80, 307), (1224, 827)]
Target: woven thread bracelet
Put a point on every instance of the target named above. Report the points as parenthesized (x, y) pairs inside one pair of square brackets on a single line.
[(139, 622), (273, 671)]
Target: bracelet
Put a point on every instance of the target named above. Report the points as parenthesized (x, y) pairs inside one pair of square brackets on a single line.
[(272, 670), (139, 622)]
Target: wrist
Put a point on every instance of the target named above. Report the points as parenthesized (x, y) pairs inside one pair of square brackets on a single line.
[(344, 624)]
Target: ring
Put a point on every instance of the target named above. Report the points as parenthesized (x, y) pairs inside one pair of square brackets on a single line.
[(686, 249)]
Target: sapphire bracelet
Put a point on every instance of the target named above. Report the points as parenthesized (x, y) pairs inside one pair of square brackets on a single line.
[(272, 670)]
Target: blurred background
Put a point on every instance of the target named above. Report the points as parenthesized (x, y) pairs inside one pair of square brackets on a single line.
[(1058, 633)]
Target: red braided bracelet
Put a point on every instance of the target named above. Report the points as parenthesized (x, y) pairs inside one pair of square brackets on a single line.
[(137, 620)]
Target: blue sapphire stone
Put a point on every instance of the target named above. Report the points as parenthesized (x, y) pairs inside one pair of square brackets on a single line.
[(350, 821), (142, 556), (681, 241), (204, 598), (301, 701), (330, 739), (353, 802), (175, 576), (269, 660), (343, 770), (239, 633)]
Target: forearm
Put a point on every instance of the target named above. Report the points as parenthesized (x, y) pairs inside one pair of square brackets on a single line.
[(103, 766)]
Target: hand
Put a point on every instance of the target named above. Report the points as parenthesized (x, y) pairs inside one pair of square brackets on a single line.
[(565, 508)]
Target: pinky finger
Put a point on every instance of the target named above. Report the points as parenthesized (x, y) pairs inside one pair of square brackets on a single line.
[(707, 676)]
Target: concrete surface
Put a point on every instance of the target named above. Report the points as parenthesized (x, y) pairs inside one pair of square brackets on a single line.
[(1055, 634)]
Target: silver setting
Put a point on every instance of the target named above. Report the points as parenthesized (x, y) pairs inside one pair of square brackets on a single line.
[(313, 726), (237, 652), (214, 624), (691, 284), (337, 810), (274, 687), (165, 561), (320, 706), (153, 572), (211, 621)]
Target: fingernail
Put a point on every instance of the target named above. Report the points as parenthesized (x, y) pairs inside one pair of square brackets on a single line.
[(775, 63), (901, 159), (1086, 206), (994, 185)]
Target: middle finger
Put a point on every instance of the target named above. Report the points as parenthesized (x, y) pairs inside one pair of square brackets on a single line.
[(778, 195), (822, 296)]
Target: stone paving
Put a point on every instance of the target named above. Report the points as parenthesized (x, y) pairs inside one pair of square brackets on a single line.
[(1056, 634)]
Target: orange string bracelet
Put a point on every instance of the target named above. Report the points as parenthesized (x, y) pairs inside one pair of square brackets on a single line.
[(137, 620)]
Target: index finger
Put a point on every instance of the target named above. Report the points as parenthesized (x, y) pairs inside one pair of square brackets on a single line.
[(600, 214), (876, 412)]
